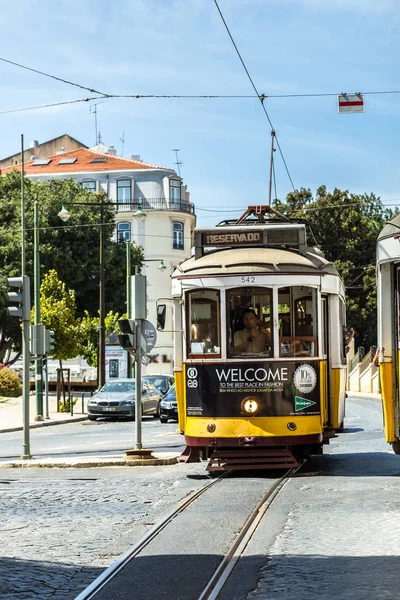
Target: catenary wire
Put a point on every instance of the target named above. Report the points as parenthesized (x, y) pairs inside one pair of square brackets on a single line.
[(5, 112), (261, 97), (53, 77)]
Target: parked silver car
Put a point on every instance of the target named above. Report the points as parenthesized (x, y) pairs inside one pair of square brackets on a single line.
[(117, 399)]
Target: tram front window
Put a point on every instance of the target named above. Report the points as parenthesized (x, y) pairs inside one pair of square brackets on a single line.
[(204, 323), (249, 313), (298, 323)]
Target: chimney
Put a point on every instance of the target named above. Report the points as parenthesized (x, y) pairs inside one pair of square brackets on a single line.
[(35, 149), (111, 150), (136, 157)]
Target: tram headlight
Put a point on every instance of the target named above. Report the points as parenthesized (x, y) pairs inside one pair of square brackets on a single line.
[(291, 426), (250, 406)]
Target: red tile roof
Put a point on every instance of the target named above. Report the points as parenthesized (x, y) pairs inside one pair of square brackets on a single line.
[(83, 164)]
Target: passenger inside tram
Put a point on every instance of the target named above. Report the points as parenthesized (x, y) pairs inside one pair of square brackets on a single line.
[(254, 338)]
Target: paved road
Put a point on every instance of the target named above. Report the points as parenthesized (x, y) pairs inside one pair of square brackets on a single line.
[(60, 528), (88, 438)]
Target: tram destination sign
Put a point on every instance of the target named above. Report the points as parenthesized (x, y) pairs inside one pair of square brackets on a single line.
[(232, 238)]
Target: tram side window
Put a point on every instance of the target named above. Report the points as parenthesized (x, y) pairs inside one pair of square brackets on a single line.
[(204, 322), (249, 329)]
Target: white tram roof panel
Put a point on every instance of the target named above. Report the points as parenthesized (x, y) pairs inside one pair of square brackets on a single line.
[(255, 260), (389, 241)]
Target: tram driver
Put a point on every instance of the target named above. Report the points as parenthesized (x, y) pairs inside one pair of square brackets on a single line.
[(253, 338)]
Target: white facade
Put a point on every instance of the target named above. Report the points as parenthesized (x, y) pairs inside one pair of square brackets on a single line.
[(166, 233)]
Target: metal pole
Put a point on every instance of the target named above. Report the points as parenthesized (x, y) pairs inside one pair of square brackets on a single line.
[(23, 266), (46, 387), (102, 333), (36, 288), (26, 451), (128, 295), (270, 166), (138, 386)]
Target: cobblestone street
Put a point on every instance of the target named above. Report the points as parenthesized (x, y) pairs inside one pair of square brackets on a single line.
[(59, 529)]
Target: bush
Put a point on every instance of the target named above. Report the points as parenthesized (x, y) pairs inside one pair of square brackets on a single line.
[(10, 383), (66, 406)]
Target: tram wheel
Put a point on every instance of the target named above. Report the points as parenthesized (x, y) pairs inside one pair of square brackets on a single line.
[(396, 447)]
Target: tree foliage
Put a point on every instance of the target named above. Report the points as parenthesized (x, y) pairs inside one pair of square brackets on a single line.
[(345, 226), (71, 249), (58, 313), (89, 334)]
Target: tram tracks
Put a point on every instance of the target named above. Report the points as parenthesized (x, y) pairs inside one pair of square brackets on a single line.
[(221, 574)]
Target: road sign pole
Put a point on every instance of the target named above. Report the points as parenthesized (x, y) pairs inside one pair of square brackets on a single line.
[(138, 386), (26, 451)]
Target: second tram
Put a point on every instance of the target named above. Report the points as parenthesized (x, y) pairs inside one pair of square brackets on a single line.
[(260, 364), (388, 303)]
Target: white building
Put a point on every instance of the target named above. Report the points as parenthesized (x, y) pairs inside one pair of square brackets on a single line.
[(166, 233)]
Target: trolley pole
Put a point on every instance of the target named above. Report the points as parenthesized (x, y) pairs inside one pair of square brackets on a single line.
[(271, 164)]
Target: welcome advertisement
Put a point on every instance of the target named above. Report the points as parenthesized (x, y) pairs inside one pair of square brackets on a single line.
[(252, 389)]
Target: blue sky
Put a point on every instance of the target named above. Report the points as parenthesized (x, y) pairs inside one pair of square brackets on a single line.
[(181, 47)]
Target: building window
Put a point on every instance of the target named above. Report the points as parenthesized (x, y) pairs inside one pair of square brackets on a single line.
[(89, 185), (124, 191), (175, 191), (124, 232), (177, 235)]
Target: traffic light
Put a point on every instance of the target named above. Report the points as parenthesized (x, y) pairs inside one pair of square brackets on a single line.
[(21, 296), (49, 342), (127, 339), (37, 339)]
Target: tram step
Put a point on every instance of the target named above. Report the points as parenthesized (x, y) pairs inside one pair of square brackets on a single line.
[(232, 460)]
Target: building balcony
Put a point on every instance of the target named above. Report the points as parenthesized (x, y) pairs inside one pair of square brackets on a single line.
[(148, 204)]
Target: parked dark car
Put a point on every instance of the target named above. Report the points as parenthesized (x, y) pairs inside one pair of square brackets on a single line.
[(169, 406), (117, 399), (161, 382)]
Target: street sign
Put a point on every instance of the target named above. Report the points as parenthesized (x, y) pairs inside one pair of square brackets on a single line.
[(149, 336), (351, 103)]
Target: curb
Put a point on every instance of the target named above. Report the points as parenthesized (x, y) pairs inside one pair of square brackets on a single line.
[(150, 462), (44, 424)]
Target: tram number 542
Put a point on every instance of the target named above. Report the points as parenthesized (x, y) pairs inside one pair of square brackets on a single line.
[(247, 279)]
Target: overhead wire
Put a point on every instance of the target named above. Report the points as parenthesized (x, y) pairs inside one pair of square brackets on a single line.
[(261, 97), (92, 90), (5, 112)]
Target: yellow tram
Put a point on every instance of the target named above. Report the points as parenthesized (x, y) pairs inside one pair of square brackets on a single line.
[(388, 303), (260, 365)]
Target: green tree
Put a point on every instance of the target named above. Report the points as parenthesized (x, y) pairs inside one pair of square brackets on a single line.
[(58, 313), (345, 226), (71, 248), (89, 334)]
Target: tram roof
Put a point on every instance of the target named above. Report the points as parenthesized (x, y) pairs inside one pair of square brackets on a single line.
[(391, 228), (256, 260)]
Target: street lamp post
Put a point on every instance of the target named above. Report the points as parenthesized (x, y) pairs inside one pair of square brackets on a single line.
[(64, 214), (26, 452), (36, 293)]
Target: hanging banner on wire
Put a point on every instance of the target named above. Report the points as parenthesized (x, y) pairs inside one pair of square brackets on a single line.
[(351, 103)]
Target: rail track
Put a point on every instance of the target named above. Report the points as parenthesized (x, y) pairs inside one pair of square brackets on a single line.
[(220, 575)]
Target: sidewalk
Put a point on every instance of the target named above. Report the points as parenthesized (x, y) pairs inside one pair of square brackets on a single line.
[(11, 420), (11, 413)]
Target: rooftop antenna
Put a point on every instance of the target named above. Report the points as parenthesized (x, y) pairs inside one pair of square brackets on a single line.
[(178, 162), (123, 141), (93, 109)]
